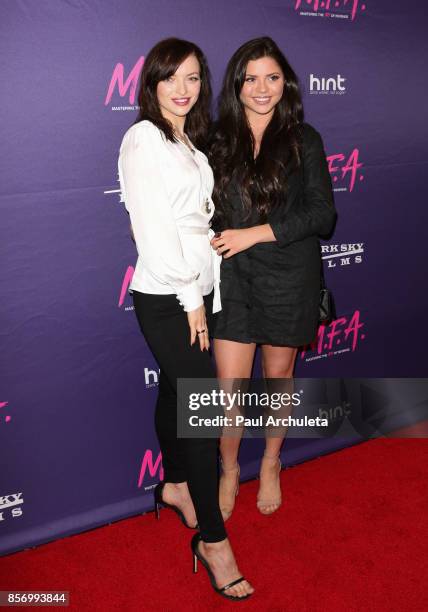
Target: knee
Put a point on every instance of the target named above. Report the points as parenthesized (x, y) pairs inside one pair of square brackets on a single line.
[(278, 372)]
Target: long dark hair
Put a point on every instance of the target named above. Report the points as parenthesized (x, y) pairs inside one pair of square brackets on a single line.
[(262, 182), (161, 63)]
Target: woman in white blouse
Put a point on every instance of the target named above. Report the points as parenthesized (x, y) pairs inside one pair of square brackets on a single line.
[(166, 185)]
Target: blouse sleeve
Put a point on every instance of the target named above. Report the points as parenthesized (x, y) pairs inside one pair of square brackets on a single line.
[(153, 223), (316, 215)]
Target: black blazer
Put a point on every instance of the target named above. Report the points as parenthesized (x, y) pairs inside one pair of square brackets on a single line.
[(309, 210), (277, 284)]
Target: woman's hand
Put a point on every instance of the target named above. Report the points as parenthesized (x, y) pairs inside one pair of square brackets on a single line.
[(198, 327), (230, 242), (233, 241)]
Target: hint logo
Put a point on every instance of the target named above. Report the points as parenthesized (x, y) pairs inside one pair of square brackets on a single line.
[(151, 377), (124, 86), (327, 85), (336, 413), (154, 469), (8, 505)]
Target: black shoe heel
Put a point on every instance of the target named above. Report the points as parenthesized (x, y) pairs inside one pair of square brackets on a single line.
[(159, 503), (197, 556)]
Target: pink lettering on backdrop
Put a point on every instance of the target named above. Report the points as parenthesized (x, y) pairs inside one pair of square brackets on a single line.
[(341, 331), (353, 5), (338, 163), (147, 464), (7, 418), (125, 284), (130, 83)]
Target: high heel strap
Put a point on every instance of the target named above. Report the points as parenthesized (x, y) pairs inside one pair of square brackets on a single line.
[(231, 584), (265, 503), (226, 502), (273, 457)]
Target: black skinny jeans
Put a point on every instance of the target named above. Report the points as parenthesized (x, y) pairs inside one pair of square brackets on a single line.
[(166, 330)]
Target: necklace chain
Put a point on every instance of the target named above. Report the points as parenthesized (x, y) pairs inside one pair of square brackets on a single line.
[(186, 142)]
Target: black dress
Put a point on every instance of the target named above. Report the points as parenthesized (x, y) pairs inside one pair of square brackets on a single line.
[(270, 292)]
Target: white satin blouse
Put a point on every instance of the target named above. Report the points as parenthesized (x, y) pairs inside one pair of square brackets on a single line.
[(167, 191)]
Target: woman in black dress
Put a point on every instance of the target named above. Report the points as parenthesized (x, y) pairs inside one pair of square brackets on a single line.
[(273, 200)]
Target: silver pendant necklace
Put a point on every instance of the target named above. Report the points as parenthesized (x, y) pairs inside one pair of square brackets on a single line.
[(187, 144)]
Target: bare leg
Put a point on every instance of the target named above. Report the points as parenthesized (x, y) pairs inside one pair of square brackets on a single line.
[(278, 362), (234, 362)]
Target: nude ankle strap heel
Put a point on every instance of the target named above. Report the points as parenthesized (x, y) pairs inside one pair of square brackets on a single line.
[(276, 502), (227, 506)]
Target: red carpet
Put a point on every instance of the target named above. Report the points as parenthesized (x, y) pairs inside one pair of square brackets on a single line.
[(351, 535)]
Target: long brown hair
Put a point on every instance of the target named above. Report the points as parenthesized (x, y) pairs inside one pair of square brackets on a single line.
[(262, 182), (162, 62)]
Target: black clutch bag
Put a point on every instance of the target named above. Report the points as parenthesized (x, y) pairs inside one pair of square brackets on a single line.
[(327, 308)]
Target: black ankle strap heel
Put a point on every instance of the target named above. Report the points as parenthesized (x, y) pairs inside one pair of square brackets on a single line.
[(159, 503), (197, 556)]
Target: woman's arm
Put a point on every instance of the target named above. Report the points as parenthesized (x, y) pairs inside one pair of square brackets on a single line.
[(230, 242), (152, 220), (314, 217)]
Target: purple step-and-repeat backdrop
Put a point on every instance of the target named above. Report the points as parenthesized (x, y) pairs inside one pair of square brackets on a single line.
[(78, 447)]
